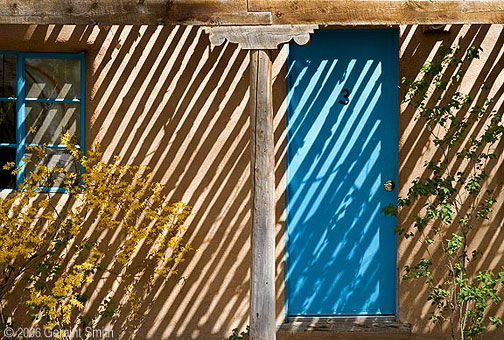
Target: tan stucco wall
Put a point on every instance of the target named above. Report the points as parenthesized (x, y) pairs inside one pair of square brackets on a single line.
[(414, 148), (162, 96)]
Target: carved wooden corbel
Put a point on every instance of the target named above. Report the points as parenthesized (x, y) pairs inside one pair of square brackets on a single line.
[(260, 37)]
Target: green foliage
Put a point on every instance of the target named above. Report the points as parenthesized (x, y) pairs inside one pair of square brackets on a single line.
[(45, 240), (465, 133), (243, 335)]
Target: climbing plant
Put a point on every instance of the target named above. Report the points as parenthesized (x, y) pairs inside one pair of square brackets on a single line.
[(237, 335), (454, 193), (55, 244)]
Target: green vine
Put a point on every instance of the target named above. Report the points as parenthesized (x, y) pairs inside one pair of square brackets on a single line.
[(239, 336), (454, 193)]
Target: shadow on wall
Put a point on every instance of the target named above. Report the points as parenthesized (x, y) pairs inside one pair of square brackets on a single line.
[(417, 47), (161, 96), (338, 152), (177, 106), (320, 196)]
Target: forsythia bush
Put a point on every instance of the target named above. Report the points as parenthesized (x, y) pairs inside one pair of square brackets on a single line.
[(45, 237)]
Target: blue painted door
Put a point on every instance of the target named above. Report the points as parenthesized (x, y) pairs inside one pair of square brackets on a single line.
[(341, 148)]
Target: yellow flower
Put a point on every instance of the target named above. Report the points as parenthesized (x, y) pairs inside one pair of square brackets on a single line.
[(9, 165)]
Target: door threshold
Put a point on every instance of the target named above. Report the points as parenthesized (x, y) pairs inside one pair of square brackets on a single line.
[(341, 318), (345, 324)]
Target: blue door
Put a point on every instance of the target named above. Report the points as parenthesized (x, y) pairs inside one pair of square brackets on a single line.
[(341, 149)]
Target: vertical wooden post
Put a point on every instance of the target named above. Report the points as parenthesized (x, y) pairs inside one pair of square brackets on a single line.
[(262, 281)]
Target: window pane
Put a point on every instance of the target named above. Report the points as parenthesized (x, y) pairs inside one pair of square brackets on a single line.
[(52, 78), (7, 75), (7, 179), (8, 122), (52, 158), (45, 122)]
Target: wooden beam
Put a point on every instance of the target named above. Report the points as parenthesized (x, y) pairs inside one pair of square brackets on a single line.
[(252, 12), (381, 12), (130, 12), (262, 278)]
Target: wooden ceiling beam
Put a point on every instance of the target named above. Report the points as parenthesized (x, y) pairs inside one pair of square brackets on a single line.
[(374, 12), (129, 12), (252, 12)]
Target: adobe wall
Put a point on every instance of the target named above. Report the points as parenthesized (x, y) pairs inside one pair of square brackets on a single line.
[(162, 96), (415, 147)]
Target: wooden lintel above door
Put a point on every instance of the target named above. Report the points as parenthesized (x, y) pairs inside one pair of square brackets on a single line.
[(252, 12)]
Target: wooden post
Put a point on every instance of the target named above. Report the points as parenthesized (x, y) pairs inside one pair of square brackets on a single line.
[(260, 40), (262, 280)]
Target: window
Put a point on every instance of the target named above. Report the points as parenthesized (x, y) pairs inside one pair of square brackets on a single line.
[(41, 96)]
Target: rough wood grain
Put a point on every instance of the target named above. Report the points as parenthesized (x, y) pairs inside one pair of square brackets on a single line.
[(386, 12), (346, 325), (260, 37), (257, 12), (130, 12), (262, 279)]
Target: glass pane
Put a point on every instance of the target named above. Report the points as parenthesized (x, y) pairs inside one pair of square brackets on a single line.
[(52, 78), (7, 179), (45, 122), (52, 158), (8, 122), (8, 75)]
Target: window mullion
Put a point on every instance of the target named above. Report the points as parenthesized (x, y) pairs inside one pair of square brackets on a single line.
[(20, 117), (82, 107)]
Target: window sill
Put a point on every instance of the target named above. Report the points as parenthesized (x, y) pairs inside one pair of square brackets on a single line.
[(345, 325)]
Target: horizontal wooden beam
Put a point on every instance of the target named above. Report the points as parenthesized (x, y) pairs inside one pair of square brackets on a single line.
[(252, 12), (130, 12), (378, 12)]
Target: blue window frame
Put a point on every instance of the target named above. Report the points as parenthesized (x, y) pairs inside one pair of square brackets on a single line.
[(41, 96)]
